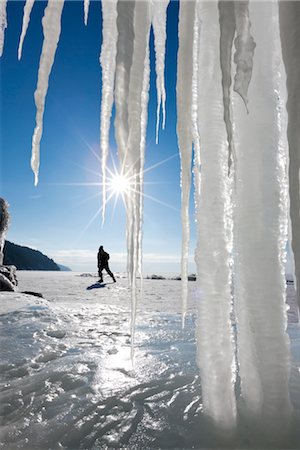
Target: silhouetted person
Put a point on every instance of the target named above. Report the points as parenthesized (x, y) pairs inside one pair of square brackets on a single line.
[(103, 258)]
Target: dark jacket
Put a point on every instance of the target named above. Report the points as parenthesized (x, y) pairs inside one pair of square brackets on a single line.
[(103, 258)]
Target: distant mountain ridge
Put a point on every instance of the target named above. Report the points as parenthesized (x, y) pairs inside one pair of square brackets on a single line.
[(25, 258)]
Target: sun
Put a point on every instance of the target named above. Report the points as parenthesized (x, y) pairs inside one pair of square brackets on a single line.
[(119, 184)]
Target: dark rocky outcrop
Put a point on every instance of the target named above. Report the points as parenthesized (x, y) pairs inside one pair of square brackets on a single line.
[(25, 258)]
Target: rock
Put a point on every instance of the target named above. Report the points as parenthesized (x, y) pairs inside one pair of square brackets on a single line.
[(8, 278)]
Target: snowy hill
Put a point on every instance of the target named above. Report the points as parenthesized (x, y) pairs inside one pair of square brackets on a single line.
[(25, 258)]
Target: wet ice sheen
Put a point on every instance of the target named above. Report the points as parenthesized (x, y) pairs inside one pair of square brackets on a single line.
[(72, 383)]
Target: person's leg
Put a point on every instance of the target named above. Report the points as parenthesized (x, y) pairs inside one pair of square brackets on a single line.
[(110, 272), (100, 274)]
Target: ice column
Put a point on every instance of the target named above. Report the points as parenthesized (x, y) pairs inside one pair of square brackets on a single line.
[(261, 230), (51, 28), (125, 27), (137, 121), (3, 23), (215, 352), (26, 18), (159, 8), (108, 64), (187, 127), (289, 14)]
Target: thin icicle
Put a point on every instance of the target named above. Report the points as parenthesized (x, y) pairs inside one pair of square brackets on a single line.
[(186, 60), (86, 11), (137, 120), (26, 18), (227, 30), (245, 45), (159, 20), (51, 28), (289, 14), (3, 23), (108, 64)]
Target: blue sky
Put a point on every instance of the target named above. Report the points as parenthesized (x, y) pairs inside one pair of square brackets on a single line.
[(54, 216)]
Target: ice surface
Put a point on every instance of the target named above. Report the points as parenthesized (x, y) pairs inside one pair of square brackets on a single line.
[(26, 18), (51, 28), (66, 377), (289, 13), (3, 23)]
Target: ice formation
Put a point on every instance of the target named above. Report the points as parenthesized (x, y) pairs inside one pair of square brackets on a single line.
[(3, 23), (51, 28), (86, 11), (241, 213), (26, 18)]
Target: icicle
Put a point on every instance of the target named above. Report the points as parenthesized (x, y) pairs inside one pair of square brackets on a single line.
[(215, 349), (86, 11), (227, 30), (51, 28), (125, 24), (245, 46), (261, 233), (26, 18), (108, 64), (289, 13), (137, 120), (159, 28), (186, 123), (3, 23)]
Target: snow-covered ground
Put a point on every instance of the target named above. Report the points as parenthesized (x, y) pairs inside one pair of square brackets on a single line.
[(66, 375)]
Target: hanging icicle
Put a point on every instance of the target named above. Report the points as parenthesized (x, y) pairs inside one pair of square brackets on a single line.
[(215, 348), (159, 20), (261, 233), (289, 14), (3, 23), (51, 28), (86, 11), (245, 46), (137, 121), (227, 32), (26, 18), (108, 64), (186, 100)]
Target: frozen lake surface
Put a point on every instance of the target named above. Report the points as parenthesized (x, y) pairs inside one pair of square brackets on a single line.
[(67, 380)]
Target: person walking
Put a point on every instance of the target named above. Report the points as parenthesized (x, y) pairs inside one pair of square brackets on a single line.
[(103, 258)]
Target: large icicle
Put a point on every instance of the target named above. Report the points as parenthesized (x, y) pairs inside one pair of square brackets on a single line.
[(261, 233), (289, 13), (26, 18), (108, 64), (125, 24), (159, 20), (3, 23), (186, 88), (137, 120), (86, 11), (215, 352), (245, 46), (51, 28), (227, 30)]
